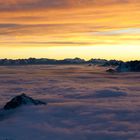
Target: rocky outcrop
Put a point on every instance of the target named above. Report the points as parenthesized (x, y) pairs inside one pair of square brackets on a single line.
[(110, 70), (132, 66), (20, 100)]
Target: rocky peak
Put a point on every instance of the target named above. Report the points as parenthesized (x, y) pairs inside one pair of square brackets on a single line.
[(20, 100)]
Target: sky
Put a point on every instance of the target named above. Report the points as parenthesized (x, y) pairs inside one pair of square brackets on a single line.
[(61, 29)]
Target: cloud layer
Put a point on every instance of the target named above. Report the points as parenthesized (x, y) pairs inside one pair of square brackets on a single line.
[(87, 22)]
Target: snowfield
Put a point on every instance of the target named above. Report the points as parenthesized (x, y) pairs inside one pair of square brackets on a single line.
[(84, 103)]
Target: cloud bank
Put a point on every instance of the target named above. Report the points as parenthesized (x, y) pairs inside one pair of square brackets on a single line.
[(112, 22)]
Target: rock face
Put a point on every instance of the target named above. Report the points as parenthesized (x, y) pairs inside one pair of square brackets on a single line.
[(20, 100), (111, 70), (123, 67), (132, 66)]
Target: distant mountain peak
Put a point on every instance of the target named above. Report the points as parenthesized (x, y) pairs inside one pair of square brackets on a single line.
[(20, 100)]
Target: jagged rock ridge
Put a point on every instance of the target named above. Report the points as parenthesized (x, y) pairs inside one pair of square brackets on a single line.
[(20, 100)]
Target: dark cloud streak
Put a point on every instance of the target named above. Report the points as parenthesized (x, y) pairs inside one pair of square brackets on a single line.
[(13, 5)]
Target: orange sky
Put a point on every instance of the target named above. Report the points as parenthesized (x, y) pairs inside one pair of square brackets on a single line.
[(70, 28)]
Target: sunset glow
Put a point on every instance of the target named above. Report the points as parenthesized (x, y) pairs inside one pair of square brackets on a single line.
[(60, 29)]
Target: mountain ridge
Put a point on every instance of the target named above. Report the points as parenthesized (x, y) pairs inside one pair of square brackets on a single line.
[(121, 66)]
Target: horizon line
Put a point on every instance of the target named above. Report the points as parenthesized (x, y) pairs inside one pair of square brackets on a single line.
[(67, 58)]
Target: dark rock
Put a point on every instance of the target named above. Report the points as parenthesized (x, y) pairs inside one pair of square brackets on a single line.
[(132, 66), (20, 100), (110, 70), (89, 65), (123, 67)]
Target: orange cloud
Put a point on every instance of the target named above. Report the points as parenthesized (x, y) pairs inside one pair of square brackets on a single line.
[(69, 22)]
